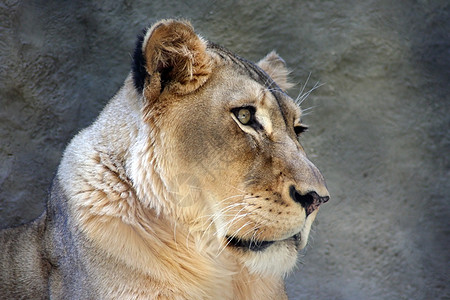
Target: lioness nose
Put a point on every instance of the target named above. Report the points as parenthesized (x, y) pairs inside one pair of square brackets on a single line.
[(310, 201)]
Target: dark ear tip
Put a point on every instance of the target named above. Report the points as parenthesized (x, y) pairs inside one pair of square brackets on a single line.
[(173, 50), (139, 63)]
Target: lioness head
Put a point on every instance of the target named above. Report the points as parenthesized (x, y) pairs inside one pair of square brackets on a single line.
[(224, 138)]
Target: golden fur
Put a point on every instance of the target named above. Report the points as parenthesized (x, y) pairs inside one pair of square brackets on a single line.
[(161, 186)]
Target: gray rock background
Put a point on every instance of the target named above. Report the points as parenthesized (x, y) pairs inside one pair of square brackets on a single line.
[(379, 126)]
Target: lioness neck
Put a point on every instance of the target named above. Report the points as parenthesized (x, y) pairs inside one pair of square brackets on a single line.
[(122, 211)]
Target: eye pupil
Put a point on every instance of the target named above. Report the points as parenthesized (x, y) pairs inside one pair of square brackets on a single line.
[(244, 115)]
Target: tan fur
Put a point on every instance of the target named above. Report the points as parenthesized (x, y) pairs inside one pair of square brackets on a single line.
[(145, 197), (276, 68)]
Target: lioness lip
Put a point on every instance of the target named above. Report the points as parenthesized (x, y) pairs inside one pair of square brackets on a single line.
[(252, 245), (248, 244)]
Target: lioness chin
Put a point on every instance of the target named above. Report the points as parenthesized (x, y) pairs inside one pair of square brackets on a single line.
[(191, 184)]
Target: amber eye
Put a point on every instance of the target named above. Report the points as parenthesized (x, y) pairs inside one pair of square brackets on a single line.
[(245, 115)]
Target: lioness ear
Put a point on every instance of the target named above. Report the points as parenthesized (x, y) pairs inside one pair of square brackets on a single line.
[(170, 56), (275, 67)]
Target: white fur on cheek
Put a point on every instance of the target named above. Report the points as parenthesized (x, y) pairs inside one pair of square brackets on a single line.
[(262, 115)]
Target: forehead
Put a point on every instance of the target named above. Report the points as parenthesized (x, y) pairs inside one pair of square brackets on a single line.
[(264, 89)]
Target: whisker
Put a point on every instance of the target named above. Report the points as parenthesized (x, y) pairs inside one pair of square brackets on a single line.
[(216, 216), (302, 97), (232, 236), (303, 88), (309, 108), (236, 188), (230, 223), (227, 198)]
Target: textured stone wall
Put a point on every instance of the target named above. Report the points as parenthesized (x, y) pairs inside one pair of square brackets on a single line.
[(379, 127)]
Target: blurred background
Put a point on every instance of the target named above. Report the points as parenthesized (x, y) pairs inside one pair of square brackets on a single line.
[(379, 126)]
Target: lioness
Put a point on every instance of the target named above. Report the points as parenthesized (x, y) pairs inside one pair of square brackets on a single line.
[(191, 184)]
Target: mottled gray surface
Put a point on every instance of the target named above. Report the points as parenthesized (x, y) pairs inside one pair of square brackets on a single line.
[(379, 127)]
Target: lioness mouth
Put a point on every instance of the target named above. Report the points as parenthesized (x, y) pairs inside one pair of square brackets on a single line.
[(253, 245)]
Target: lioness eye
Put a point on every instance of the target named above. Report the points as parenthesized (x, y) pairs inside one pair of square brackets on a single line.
[(245, 115)]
